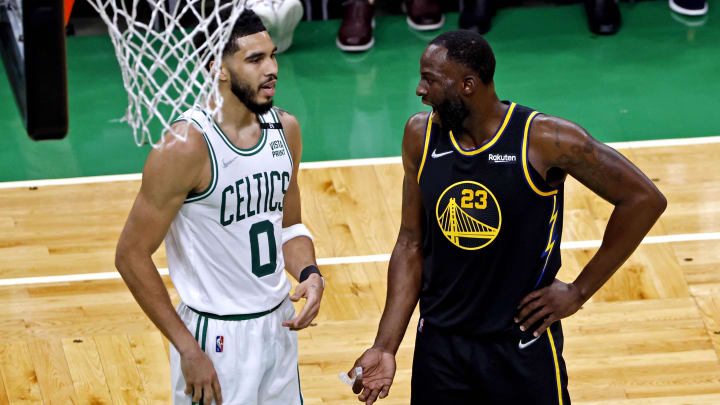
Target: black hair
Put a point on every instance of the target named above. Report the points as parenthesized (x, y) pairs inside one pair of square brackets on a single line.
[(247, 23), (470, 49)]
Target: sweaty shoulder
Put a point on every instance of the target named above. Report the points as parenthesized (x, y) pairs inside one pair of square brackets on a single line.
[(190, 149), (414, 138), (547, 128), (550, 134), (183, 161)]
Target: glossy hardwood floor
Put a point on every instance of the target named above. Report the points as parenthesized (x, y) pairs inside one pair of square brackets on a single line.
[(650, 336)]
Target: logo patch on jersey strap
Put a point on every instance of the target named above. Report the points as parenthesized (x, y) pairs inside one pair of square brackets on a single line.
[(219, 340), (498, 158), (468, 215), (278, 149)]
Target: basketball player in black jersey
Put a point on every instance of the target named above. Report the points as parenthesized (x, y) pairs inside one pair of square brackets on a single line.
[(479, 242)]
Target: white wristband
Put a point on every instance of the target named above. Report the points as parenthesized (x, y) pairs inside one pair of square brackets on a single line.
[(293, 231)]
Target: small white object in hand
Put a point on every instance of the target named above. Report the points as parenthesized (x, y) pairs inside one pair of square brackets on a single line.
[(345, 378)]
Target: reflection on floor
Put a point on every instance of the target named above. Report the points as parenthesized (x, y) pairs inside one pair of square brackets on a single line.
[(649, 336)]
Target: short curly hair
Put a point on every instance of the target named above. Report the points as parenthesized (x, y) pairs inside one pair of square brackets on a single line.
[(470, 49), (247, 23)]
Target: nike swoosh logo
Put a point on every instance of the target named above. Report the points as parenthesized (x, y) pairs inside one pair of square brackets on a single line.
[(522, 345), (436, 155), (226, 164)]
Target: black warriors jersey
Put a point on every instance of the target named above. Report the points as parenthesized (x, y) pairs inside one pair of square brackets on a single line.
[(492, 227)]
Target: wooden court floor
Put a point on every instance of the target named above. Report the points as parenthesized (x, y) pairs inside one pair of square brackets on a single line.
[(650, 336)]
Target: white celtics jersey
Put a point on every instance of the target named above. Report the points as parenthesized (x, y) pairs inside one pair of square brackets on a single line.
[(224, 247)]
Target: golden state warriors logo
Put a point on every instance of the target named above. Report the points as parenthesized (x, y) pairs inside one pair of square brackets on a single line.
[(468, 215)]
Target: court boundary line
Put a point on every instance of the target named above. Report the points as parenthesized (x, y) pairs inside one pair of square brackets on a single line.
[(653, 143), (329, 261)]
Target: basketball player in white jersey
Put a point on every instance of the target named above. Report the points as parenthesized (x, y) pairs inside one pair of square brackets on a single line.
[(227, 203)]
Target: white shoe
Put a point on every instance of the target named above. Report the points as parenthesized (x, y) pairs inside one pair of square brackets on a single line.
[(265, 10), (289, 13), (692, 8)]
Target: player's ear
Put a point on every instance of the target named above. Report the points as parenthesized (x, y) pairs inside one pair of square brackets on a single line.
[(224, 74), (470, 84)]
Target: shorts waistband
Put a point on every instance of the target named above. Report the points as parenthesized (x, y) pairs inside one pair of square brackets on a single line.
[(238, 317), (511, 332)]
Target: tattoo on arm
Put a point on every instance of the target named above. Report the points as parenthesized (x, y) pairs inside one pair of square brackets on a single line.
[(594, 166), (280, 111)]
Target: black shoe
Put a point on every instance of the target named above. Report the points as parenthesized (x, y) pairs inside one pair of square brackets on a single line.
[(356, 31), (603, 16), (476, 16), (424, 15), (689, 7)]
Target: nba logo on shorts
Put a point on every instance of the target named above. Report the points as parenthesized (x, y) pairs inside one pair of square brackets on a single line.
[(219, 344)]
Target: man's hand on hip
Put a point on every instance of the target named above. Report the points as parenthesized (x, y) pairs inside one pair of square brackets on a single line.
[(552, 303)]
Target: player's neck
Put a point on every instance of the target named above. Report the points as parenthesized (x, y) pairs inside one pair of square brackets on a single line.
[(235, 114), (484, 120)]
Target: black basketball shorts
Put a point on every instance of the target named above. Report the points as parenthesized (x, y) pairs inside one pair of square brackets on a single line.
[(451, 369)]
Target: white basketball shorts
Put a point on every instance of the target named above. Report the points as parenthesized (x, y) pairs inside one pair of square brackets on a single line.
[(255, 357)]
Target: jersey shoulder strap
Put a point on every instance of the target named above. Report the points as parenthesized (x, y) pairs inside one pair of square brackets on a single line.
[(197, 117), (270, 120)]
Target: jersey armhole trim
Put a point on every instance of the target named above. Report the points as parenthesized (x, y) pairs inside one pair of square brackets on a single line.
[(189, 120), (282, 135), (428, 134), (213, 171), (526, 161)]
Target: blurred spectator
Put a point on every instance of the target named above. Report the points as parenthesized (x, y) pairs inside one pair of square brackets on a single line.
[(356, 31), (476, 15), (280, 18), (689, 7), (603, 16)]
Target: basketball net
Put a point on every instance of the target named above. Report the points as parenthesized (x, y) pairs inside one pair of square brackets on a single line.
[(162, 72)]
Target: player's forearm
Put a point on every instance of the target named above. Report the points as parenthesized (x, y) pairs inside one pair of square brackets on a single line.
[(146, 285), (404, 281), (298, 252), (628, 225)]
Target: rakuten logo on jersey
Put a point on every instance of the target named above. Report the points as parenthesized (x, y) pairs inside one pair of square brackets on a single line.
[(498, 158)]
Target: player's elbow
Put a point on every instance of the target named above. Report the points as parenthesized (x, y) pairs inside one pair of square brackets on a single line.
[(653, 202), (659, 202), (409, 240), (123, 256)]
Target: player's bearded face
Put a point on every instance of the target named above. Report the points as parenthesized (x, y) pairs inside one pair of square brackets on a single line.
[(452, 112), (248, 96)]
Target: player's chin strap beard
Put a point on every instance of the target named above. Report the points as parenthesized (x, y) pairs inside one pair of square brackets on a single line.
[(246, 96), (452, 115)]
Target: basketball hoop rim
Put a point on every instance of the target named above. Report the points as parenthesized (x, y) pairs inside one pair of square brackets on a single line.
[(67, 8)]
